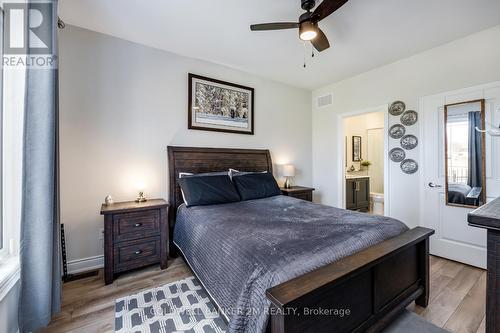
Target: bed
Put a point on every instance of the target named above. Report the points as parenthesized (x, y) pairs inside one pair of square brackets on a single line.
[(462, 194), (281, 264), (457, 193)]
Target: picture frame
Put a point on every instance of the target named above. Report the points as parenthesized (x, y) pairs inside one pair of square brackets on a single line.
[(220, 106), (356, 149)]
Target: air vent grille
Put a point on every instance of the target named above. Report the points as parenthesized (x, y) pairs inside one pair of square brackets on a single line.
[(325, 100)]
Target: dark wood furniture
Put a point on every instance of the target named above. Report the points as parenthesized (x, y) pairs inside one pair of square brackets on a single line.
[(488, 217), (299, 192), (374, 284), (358, 194), (135, 235)]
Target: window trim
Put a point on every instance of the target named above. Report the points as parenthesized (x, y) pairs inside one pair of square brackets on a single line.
[(9, 262)]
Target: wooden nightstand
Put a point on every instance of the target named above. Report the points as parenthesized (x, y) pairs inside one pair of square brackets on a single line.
[(135, 235), (299, 192)]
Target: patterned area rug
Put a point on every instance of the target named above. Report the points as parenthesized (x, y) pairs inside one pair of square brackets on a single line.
[(181, 306), (184, 306)]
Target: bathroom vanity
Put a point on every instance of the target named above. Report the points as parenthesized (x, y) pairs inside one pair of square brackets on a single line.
[(358, 193)]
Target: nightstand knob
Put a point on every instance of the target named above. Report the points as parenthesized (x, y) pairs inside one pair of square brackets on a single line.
[(137, 225), (138, 252)]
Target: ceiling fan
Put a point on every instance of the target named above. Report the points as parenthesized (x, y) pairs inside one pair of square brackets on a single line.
[(308, 22)]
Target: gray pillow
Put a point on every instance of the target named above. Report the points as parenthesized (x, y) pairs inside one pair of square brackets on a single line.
[(207, 190)]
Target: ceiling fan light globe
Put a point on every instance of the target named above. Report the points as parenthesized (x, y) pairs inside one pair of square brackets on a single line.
[(308, 35), (308, 31)]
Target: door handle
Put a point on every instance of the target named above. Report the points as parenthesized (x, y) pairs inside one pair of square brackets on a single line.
[(431, 184)]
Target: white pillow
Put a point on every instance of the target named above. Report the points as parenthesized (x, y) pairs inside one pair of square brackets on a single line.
[(183, 174)]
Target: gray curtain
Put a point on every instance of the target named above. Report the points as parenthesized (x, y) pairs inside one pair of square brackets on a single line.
[(475, 178), (40, 296)]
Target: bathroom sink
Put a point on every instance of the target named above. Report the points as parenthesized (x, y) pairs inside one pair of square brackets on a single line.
[(356, 176)]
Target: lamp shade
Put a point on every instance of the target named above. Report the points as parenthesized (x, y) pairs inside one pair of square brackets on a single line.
[(288, 170)]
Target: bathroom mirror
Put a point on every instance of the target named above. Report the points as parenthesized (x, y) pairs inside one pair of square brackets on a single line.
[(356, 149), (465, 154)]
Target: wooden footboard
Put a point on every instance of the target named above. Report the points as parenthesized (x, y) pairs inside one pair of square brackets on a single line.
[(362, 292)]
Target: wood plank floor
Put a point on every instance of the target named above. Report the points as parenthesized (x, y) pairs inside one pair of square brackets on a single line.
[(457, 297)]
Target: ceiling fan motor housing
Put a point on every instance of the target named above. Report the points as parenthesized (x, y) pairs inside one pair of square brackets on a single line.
[(308, 4), (305, 17)]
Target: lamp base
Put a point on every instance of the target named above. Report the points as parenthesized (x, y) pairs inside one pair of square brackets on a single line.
[(288, 183)]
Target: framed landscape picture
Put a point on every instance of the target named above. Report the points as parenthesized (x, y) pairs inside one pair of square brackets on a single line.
[(219, 106)]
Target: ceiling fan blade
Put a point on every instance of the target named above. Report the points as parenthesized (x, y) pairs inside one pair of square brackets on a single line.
[(274, 26), (320, 43), (326, 8)]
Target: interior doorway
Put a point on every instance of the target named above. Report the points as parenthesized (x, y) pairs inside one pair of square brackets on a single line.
[(364, 171)]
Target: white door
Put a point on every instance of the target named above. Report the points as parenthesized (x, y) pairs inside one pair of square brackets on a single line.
[(454, 238)]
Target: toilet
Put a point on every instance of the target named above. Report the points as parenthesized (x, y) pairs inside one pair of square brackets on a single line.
[(377, 203)]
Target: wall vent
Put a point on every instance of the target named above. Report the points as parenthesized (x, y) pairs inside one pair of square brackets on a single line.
[(325, 100)]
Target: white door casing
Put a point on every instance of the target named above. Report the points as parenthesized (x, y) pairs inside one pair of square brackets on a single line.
[(454, 238), (341, 148)]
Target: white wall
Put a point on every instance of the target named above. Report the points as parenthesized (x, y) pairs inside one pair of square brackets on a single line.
[(376, 155), (463, 63), (121, 104), (358, 126)]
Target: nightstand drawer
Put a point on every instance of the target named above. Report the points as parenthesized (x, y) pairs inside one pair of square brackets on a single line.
[(134, 254), (129, 226), (304, 196), (299, 192)]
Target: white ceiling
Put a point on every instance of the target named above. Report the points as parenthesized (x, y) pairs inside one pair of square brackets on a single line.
[(364, 34)]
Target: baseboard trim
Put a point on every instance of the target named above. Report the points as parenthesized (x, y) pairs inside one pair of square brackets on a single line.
[(85, 264)]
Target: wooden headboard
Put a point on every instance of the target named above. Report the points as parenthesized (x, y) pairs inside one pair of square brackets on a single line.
[(200, 160)]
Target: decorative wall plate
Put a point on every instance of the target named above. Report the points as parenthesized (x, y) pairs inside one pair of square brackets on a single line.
[(397, 108), (397, 154), (409, 142), (409, 166), (409, 118), (397, 131)]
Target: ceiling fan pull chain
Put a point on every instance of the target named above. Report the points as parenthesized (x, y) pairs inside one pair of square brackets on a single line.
[(312, 50), (305, 50)]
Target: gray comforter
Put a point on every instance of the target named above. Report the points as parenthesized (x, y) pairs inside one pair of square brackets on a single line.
[(238, 250)]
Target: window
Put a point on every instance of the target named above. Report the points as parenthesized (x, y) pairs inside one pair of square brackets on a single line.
[(10, 168), (458, 154), (12, 90), (2, 233)]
